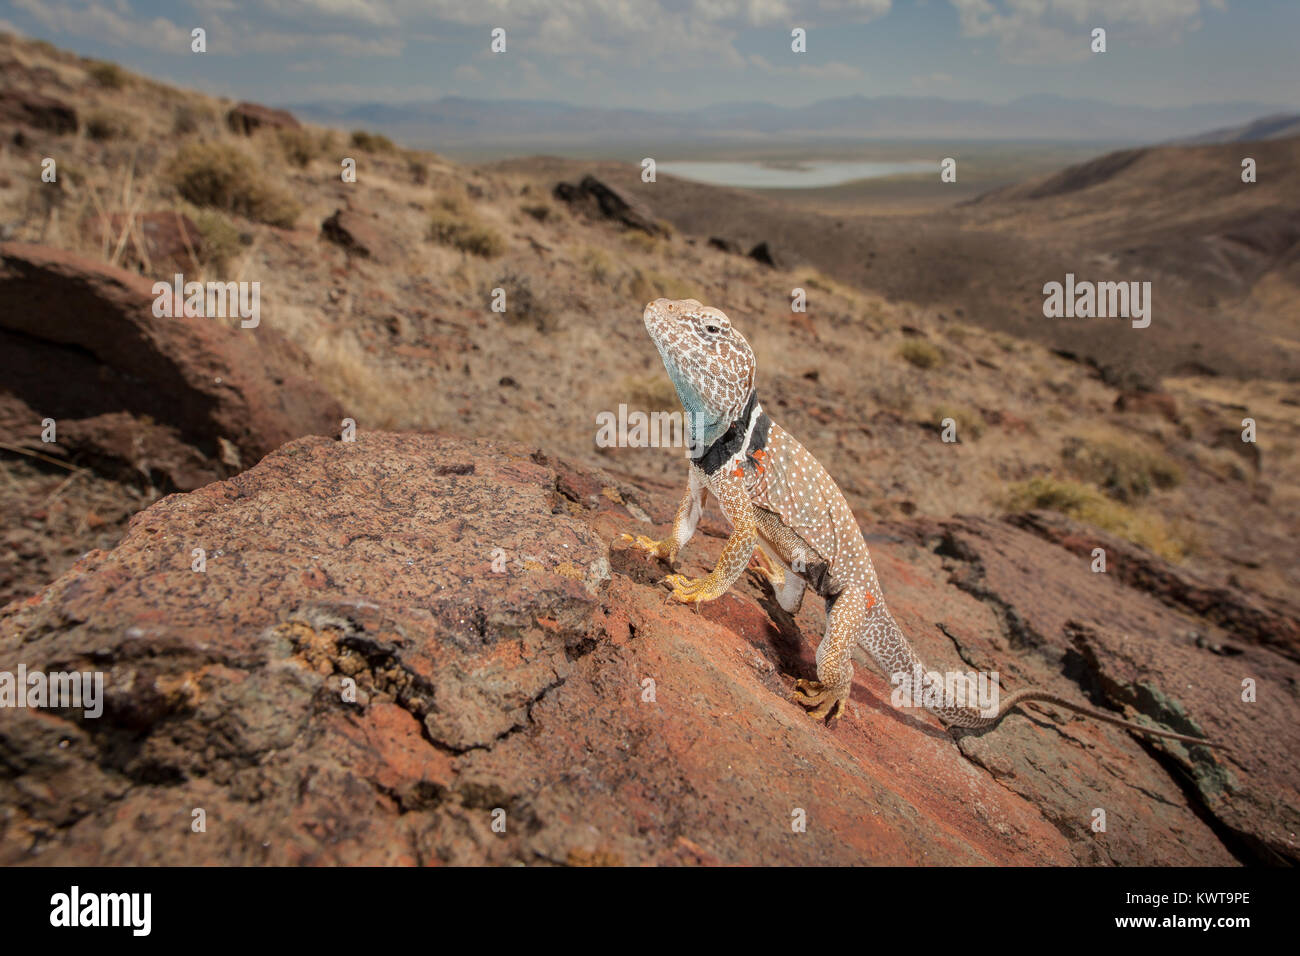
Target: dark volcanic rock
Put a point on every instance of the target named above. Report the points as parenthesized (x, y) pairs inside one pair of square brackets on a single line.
[(602, 201), (246, 117), (182, 399), (763, 253), (726, 245), (505, 659)]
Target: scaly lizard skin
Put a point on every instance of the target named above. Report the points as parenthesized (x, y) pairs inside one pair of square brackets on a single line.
[(789, 514)]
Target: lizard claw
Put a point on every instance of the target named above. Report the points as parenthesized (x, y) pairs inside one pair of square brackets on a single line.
[(658, 549), (819, 700), (690, 590)]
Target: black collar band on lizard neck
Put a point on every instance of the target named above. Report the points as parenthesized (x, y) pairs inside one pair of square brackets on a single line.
[(752, 422)]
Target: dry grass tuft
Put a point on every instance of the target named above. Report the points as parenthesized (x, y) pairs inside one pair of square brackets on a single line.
[(217, 176), (1086, 503)]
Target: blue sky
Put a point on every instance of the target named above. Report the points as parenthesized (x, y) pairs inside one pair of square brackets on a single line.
[(668, 54)]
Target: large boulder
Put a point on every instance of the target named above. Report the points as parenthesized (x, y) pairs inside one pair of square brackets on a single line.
[(181, 400), (399, 641)]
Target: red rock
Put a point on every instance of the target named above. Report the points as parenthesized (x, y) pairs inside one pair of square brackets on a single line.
[(245, 118), (132, 392), (527, 691), (161, 243), (358, 235)]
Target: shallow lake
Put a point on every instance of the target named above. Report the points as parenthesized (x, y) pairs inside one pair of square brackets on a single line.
[(809, 174)]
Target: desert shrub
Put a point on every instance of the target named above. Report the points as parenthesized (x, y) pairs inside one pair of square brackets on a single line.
[(643, 241), (649, 284), (598, 264), (1088, 504), (188, 117), (650, 392), (1126, 472), (417, 169), (110, 76), (219, 177), (920, 353), (103, 125), (465, 233), (970, 424), (372, 142), (300, 146), (221, 240), (523, 303)]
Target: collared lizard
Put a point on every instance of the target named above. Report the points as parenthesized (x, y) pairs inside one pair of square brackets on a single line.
[(789, 515)]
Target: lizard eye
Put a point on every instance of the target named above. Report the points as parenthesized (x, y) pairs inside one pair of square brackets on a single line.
[(712, 328)]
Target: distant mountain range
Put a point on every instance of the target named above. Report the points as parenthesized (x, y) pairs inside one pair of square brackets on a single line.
[(458, 123), (1278, 126)]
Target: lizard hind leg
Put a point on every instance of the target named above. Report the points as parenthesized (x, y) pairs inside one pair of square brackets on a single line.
[(827, 696)]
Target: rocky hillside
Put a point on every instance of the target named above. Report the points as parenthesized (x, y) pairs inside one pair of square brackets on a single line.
[(508, 655), (522, 689)]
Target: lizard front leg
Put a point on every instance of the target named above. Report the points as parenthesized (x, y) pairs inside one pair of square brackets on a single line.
[(688, 515), (735, 556)]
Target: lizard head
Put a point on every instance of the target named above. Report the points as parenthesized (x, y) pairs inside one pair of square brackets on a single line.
[(710, 363)]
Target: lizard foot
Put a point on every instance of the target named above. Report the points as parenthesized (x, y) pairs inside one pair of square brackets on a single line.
[(820, 700), (657, 549), (769, 572), (691, 590)]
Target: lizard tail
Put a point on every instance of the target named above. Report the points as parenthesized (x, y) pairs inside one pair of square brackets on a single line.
[(975, 720), (889, 647)]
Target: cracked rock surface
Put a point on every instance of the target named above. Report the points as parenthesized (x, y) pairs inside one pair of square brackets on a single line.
[(414, 649)]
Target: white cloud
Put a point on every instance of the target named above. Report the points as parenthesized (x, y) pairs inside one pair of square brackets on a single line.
[(1053, 31), (117, 26)]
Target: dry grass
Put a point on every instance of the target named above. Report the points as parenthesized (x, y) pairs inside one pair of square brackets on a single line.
[(218, 176), (650, 392), (372, 142), (1120, 467), (920, 353), (107, 75), (649, 284), (969, 422), (1088, 504)]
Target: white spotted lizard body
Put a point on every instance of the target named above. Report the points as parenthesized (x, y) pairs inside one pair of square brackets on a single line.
[(788, 514)]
